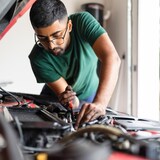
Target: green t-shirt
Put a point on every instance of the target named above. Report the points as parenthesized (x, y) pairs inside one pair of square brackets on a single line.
[(78, 65)]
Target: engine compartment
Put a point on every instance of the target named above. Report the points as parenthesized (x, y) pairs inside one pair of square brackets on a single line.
[(46, 128)]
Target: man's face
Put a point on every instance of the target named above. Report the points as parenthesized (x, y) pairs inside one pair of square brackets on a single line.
[(55, 38)]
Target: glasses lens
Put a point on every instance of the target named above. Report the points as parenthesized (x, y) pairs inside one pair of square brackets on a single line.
[(45, 41), (58, 41), (37, 41)]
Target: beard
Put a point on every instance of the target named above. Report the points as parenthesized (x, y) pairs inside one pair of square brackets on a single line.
[(57, 51)]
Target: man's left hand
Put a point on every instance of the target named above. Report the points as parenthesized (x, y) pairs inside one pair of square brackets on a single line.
[(89, 112)]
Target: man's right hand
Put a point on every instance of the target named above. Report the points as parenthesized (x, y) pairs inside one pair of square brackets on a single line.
[(67, 96)]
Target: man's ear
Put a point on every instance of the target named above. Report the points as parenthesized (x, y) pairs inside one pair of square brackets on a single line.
[(69, 25)]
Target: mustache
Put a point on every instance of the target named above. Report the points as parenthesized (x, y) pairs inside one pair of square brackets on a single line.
[(56, 51), (57, 48)]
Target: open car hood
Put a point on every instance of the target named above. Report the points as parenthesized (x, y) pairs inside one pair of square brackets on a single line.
[(10, 11)]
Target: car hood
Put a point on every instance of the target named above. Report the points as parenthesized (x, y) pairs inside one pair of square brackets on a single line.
[(10, 12)]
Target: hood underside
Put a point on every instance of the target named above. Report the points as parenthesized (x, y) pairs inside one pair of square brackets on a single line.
[(10, 11)]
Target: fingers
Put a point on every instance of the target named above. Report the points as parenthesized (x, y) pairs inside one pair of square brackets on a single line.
[(68, 88), (89, 112), (80, 116), (67, 96), (86, 114)]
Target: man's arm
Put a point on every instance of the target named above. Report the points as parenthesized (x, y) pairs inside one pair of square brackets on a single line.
[(110, 64), (64, 92)]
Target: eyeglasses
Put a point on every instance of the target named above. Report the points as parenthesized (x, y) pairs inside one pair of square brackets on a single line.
[(40, 41)]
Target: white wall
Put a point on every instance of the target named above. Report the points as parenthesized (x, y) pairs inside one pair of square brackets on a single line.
[(148, 67), (14, 63), (116, 27), (75, 6)]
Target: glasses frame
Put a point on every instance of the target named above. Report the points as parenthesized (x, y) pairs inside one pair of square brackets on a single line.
[(46, 42)]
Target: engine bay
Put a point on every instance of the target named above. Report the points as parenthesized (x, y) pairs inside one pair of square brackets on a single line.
[(45, 128)]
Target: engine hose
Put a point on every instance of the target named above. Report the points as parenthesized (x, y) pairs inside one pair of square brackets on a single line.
[(106, 130)]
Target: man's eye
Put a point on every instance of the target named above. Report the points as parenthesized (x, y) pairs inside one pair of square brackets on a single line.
[(56, 36), (42, 38)]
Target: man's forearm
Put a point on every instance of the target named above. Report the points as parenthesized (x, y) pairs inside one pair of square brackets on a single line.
[(108, 79)]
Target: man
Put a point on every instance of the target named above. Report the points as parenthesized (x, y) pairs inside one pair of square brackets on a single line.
[(65, 57)]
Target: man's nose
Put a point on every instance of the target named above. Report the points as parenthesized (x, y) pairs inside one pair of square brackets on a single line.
[(51, 45)]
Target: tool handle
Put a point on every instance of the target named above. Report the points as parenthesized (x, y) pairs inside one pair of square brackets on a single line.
[(70, 105)]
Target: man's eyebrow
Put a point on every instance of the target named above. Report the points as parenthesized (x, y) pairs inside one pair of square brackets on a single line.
[(56, 33), (53, 34)]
